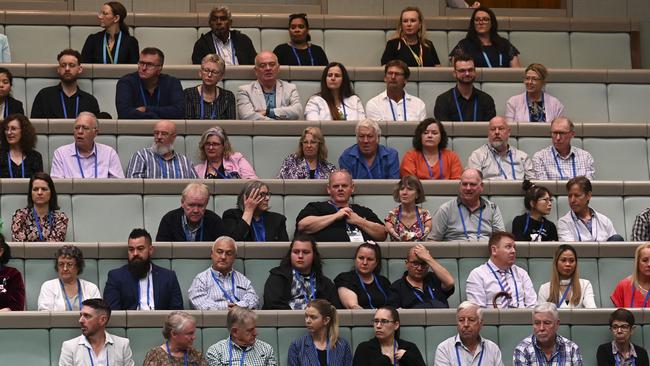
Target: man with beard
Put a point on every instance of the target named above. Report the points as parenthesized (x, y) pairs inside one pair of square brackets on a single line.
[(497, 159), (148, 93), (85, 158), (160, 160), (234, 47), (468, 347), (464, 102), (140, 284), (66, 99), (95, 346), (368, 159), (394, 103)]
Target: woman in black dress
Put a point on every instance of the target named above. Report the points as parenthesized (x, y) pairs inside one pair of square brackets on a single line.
[(410, 43), (300, 51), (364, 287), (113, 45)]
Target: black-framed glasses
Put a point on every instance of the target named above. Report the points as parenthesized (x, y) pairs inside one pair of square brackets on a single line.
[(382, 321)]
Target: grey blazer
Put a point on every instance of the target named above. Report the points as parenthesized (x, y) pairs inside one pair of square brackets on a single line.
[(74, 352), (250, 99)]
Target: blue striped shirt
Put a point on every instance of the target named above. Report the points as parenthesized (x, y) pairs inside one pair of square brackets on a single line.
[(146, 164)]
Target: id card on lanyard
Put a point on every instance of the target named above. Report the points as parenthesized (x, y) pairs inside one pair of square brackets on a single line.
[(65, 107), (113, 60), (392, 111), (354, 233), (502, 286), (231, 299)]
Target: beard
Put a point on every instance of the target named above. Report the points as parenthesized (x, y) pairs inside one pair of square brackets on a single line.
[(139, 267), (162, 149)]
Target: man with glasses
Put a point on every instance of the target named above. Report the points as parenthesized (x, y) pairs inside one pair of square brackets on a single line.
[(232, 45), (160, 160), (85, 158), (621, 351), (420, 288), (464, 102), (561, 160), (268, 97), (66, 99), (192, 221), (394, 103), (147, 93)]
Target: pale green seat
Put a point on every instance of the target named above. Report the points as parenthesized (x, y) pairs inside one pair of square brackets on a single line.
[(257, 271), (626, 103), (401, 144), (225, 202), (600, 50), (292, 207), (429, 91), (187, 269), (510, 207), (354, 47), (176, 43), (379, 204), (582, 101), (38, 271), (37, 43), (608, 153), (272, 150), (91, 227), (611, 271), (531, 145), (463, 146), (18, 90), (155, 207), (433, 203), (306, 89), (549, 48), (104, 90), (539, 270), (465, 266), (34, 85), (333, 266), (439, 40), (57, 337), (634, 205), (25, 347), (501, 92), (78, 35)]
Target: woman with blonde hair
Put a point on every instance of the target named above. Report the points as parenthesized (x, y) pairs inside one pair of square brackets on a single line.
[(207, 100), (534, 105), (310, 159), (567, 289), (410, 43), (634, 290)]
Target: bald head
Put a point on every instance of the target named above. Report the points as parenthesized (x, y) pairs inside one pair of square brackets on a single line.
[(498, 133)]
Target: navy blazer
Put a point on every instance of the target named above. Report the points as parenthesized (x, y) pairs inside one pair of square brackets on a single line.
[(121, 291), (303, 352)]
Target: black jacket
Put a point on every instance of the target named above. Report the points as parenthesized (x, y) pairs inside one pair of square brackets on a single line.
[(605, 356), (15, 106), (93, 50), (171, 227), (369, 353), (277, 289), (244, 49), (238, 229)]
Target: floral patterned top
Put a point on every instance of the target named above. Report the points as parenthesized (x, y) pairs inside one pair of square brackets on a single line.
[(25, 228), (159, 357), (294, 167), (413, 233)]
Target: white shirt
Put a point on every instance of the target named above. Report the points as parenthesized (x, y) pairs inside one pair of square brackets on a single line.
[(570, 228), (482, 284), (379, 108), (586, 300), (501, 167), (77, 352), (225, 50), (146, 300), (317, 109), (52, 298), (446, 353)]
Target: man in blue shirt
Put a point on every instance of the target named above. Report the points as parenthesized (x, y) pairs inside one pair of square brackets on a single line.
[(367, 159)]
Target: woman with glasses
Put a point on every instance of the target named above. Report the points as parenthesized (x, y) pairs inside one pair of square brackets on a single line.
[(41, 220), (364, 287), (68, 291), (310, 159), (113, 45), (567, 289), (533, 225), (621, 351), (300, 51), (218, 160), (336, 100), (534, 105), (322, 345), (18, 157), (410, 43), (408, 221), (252, 220), (633, 291), (386, 348), (208, 100), (484, 44)]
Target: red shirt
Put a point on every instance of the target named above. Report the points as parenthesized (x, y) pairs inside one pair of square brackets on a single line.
[(622, 295), (413, 163)]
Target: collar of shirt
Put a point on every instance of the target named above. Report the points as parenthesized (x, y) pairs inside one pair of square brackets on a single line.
[(74, 152), (481, 344), (407, 96), (482, 205), (494, 151), (65, 95), (221, 43), (460, 97), (221, 276), (242, 349), (187, 227), (557, 153), (559, 344), (382, 151), (108, 340), (162, 157), (615, 349), (496, 268)]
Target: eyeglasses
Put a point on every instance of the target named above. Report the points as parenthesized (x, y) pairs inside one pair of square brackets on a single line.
[(83, 128), (161, 133), (394, 74), (145, 65), (63, 265), (417, 264), (482, 20), (212, 145), (382, 321), (623, 327), (222, 18), (265, 195), (560, 133), (211, 72), (12, 129)]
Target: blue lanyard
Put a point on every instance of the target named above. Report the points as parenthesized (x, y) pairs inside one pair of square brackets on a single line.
[(213, 115), (426, 162), (38, 223), (164, 170), (117, 48), (645, 302), (487, 59), (188, 233), (512, 165), (345, 113), (541, 228), (6, 111), (79, 161), (363, 286), (67, 299), (514, 280), (557, 163), (11, 171), (460, 113), (65, 109), (312, 282), (243, 354), (480, 221), (530, 117), (327, 349), (232, 280), (171, 359), (415, 292), (232, 48), (390, 103), (148, 291), (144, 99), (541, 357), (480, 358), (590, 227), (618, 358), (394, 352), (316, 175), (259, 229), (92, 362), (295, 54), (218, 172), (417, 215), (337, 210), (566, 292)]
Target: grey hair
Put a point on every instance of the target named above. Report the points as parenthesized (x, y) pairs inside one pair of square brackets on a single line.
[(176, 321), (547, 307), (468, 305), (220, 9), (195, 187), (225, 238), (91, 115), (370, 124), (238, 315), (246, 191)]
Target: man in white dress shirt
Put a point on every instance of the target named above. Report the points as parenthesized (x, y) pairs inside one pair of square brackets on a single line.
[(394, 103), (500, 282), (95, 346)]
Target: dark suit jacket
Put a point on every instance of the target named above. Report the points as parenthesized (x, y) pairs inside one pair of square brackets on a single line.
[(121, 291), (605, 356), (93, 50), (15, 106), (244, 49), (238, 229), (171, 228)]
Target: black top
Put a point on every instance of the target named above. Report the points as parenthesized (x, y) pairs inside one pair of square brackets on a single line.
[(446, 110), (497, 58), (244, 49), (167, 100), (33, 163), (15, 106), (274, 223), (286, 57), (93, 50), (336, 231), (549, 232), (171, 227), (350, 280), (403, 295), (277, 289), (403, 53), (322, 357), (605, 356), (369, 353), (224, 107), (47, 103)]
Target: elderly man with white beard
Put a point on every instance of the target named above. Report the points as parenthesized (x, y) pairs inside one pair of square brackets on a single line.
[(160, 160)]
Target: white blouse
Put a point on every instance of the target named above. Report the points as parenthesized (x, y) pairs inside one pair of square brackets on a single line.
[(51, 296), (586, 301), (317, 109)]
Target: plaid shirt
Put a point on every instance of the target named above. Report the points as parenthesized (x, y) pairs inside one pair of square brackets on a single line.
[(205, 294), (641, 228), (566, 353), (546, 168), (259, 354)]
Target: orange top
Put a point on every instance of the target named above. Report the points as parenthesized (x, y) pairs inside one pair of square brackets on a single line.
[(414, 163)]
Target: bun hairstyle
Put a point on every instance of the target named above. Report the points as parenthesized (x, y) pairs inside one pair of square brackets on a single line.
[(533, 192)]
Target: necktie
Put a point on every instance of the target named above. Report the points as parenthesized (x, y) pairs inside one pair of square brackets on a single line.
[(506, 287)]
